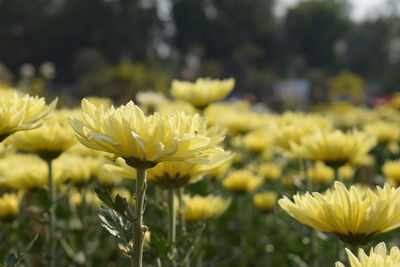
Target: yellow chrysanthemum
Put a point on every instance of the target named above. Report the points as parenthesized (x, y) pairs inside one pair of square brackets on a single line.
[(75, 168), (265, 201), (353, 218), (242, 181), (47, 141), (22, 113), (172, 174), (320, 173), (334, 148), (270, 171), (385, 132), (257, 141), (76, 198), (378, 257), (391, 169), (346, 172), (202, 208), (10, 204), (28, 172), (202, 92), (145, 140)]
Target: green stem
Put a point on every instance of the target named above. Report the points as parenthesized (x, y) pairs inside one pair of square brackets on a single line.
[(182, 221), (337, 173), (171, 224), (138, 228), (52, 216)]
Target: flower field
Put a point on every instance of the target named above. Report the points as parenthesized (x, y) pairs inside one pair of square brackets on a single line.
[(197, 180)]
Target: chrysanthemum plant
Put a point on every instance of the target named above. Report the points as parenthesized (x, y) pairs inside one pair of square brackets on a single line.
[(143, 142)]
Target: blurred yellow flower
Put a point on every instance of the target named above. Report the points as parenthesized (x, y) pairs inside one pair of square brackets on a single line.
[(77, 199), (75, 168), (145, 141), (385, 132), (391, 169), (172, 174), (242, 181), (270, 171), (257, 141), (353, 218), (378, 256), (28, 172), (320, 173), (22, 113), (346, 172), (202, 208), (202, 92), (47, 141), (10, 204), (334, 148), (265, 201)]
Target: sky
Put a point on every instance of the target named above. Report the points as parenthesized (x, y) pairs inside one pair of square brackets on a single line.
[(361, 8)]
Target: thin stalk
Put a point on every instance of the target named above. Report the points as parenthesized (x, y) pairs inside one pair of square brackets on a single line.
[(182, 221), (138, 228), (337, 173), (52, 216), (171, 224)]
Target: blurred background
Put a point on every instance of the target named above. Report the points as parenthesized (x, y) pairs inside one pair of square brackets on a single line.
[(286, 53)]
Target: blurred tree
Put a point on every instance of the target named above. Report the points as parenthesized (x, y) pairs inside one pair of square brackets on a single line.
[(312, 29)]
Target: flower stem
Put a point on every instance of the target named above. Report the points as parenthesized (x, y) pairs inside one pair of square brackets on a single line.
[(182, 222), (52, 216), (138, 228), (171, 223)]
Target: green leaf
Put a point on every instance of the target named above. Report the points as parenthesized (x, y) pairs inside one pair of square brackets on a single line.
[(120, 204), (105, 197), (26, 249), (117, 225)]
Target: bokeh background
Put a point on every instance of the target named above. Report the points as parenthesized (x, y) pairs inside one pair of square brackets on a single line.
[(286, 53)]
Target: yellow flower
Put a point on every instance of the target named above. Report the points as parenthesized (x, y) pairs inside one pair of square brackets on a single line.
[(27, 172), (378, 256), (10, 204), (172, 174), (346, 172), (270, 171), (391, 169), (320, 173), (202, 208), (353, 218), (47, 141), (76, 199), (150, 100), (242, 181), (257, 141), (334, 148), (222, 169), (22, 113), (386, 132), (74, 168), (107, 178), (100, 101), (145, 141), (265, 201), (202, 92)]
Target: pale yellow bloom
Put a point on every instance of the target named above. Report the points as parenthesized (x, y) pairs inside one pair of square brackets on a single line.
[(28, 172), (242, 181), (270, 171), (378, 257), (391, 169), (145, 141), (334, 148), (222, 169), (202, 92), (385, 132), (100, 101), (10, 204), (47, 141), (75, 168), (107, 178), (258, 141), (346, 172), (22, 113), (149, 100), (76, 198), (265, 201), (172, 174), (174, 106), (320, 173), (353, 218), (202, 208)]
